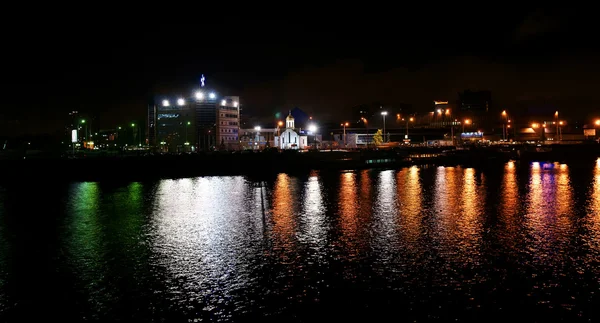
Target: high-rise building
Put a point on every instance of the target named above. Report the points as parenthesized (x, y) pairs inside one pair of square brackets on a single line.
[(228, 122), (201, 121)]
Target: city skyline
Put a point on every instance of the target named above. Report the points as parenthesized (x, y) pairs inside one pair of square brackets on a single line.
[(525, 57)]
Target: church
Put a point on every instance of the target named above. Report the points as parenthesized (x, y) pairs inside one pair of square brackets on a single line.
[(289, 138)]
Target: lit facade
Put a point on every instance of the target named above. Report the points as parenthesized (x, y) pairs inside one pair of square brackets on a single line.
[(228, 123), (201, 121), (289, 138)]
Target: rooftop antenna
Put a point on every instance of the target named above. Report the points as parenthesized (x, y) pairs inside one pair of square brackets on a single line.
[(202, 80)]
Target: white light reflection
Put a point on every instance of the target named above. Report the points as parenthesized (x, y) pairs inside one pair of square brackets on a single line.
[(386, 210), (313, 215), (201, 228)]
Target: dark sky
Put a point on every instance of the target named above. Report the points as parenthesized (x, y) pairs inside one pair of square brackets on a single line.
[(109, 64)]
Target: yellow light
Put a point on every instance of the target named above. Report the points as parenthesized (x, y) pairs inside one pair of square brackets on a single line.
[(440, 102), (561, 123), (447, 111), (535, 125), (504, 113), (280, 123), (468, 121), (412, 119), (347, 124), (598, 122), (439, 111)]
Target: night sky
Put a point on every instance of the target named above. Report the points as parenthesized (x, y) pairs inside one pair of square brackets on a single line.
[(111, 64)]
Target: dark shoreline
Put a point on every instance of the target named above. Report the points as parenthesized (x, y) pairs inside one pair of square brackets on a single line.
[(133, 168)]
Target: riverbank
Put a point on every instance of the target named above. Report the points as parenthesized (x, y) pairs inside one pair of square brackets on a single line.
[(221, 163)]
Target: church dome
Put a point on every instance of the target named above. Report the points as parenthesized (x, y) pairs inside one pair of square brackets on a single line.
[(289, 117)]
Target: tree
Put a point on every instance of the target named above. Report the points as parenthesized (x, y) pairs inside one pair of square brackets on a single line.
[(377, 138)]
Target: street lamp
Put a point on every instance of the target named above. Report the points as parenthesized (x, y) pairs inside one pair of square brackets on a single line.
[(165, 103), (597, 122), (466, 122), (504, 131), (180, 102), (345, 124), (257, 129), (556, 116), (199, 95), (384, 113), (411, 119), (139, 139), (85, 136), (312, 128), (212, 95), (186, 133)]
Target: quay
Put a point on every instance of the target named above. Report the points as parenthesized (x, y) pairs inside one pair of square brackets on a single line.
[(92, 168)]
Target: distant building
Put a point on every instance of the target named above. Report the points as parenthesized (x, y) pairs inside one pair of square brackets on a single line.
[(202, 121), (289, 138), (228, 123)]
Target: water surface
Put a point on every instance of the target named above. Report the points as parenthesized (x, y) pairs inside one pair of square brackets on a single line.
[(417, 243)]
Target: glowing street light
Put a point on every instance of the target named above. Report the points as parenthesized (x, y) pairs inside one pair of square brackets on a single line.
[(466, 122), (257, 129), (535, 125), (212, 95), (345, 124), (180, 102), (312, 128), (165, 103), (199, 95), (384, 113), (223, 102), (597, 122), (557, 129)]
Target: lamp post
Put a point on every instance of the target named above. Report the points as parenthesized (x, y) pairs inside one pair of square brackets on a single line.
[(556, 121), (560, 123), (411, 119), (504, 130), (186, 133), (384, 113), (139, 139), (345, 124), (313, 129), (85, 131), (257, 129), (466, 122)]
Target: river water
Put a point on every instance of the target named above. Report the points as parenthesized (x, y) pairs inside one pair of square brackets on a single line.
[(419, 243)]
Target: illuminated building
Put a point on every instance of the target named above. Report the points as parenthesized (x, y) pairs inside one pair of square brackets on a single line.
[(202, 120), (228, 122), (289, 138)]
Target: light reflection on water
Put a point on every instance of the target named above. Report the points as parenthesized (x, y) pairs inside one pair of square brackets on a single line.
[(424, 243)]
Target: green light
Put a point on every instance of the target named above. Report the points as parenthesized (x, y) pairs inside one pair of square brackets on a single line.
[(189, 123), (83, 121), (119, 128), (133, 124)]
